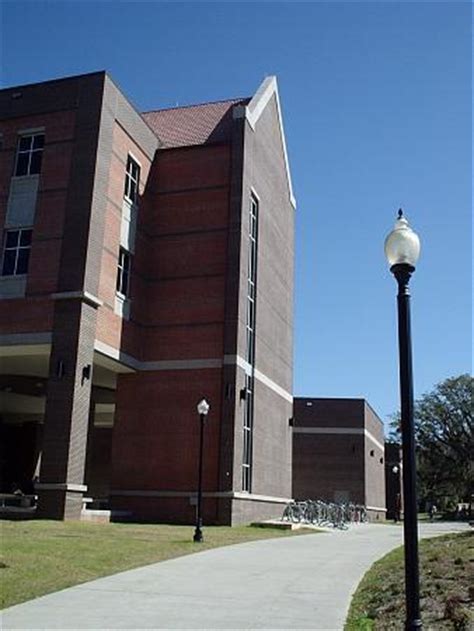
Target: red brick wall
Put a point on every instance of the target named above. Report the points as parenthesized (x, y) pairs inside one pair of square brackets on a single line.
[(35, 312), (180, 268), (156, 433), (183, 241), (111, 329)]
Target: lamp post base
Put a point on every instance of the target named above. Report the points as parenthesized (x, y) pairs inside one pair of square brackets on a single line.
[(198, 538), (413, 625)]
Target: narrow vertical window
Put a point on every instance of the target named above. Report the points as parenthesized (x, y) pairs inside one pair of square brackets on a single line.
[(123, 273), (16, 252), (250, 350), (132, 180), (29, 154)]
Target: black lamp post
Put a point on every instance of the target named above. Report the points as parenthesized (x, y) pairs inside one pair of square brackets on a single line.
[(402, 248), (397, 493), (203, 410)]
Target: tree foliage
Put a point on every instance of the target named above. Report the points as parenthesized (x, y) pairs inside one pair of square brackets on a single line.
[(444, 431)]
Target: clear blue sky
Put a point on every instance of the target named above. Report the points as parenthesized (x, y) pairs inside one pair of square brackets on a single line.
[(376, 101)]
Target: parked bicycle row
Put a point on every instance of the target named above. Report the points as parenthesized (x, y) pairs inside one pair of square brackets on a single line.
[(321, 513)]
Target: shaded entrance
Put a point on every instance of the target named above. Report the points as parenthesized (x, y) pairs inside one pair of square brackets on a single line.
[(23, 388)]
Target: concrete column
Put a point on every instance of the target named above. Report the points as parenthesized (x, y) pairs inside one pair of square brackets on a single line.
[(61, 486)]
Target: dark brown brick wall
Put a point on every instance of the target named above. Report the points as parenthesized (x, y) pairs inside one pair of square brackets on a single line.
[(171, 510), (97, 475), (68, 397), (375, 460), (264, 173), (318, 412), (156, 433), (326, 463)]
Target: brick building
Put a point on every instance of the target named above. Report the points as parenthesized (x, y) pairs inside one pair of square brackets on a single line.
[(147, 261), (338, 453)]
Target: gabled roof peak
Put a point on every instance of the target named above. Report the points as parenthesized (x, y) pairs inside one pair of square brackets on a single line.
[(252, 112)]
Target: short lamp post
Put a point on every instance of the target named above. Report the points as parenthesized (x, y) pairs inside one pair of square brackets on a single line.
[(402, 249), (203, 410), (397, 492)]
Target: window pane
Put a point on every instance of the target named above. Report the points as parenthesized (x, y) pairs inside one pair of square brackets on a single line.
[(25, 237), (127, 179), (133, 190), (38, 141), (12, 238), (126, 261), (123, 272), (25, 143), (124, 289), (22, 262), (36, 158), (22, 164), (8, 267)]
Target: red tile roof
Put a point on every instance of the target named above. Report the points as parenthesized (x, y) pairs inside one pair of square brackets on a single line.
[(193, 124)]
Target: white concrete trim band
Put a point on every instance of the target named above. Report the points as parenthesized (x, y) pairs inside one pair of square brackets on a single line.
[(61, 486), (234, 495), (117, 355), (191, 364), (78, 295), (260, 376), (339, 430), (182, 364), (273, 386)]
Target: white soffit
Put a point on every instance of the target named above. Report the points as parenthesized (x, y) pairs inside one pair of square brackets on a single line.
[(253, 111)]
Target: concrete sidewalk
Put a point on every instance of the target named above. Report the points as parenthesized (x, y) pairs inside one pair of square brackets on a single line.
[(290, 583)]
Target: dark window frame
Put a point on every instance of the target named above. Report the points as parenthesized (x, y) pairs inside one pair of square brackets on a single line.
[(248, 412), (124, 265), (21, 251), (132, 180), (29, 155)]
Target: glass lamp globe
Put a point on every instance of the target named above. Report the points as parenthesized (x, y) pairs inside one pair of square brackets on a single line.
[(402, 245), (203, 407)]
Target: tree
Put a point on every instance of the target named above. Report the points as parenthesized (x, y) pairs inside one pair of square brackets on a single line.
[(444, 431)]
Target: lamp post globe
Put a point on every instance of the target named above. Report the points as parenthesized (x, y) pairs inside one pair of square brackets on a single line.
[(203, 407), (203, 410), (402, 249), (402, 245)]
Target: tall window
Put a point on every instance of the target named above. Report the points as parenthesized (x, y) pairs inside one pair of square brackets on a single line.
[(16, 252), (123, 273), (29, 154), (247, 435), (132, 179), (250, 351)]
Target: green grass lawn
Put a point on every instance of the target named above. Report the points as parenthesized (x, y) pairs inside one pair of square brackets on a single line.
[(39, 557), (446, 588)]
